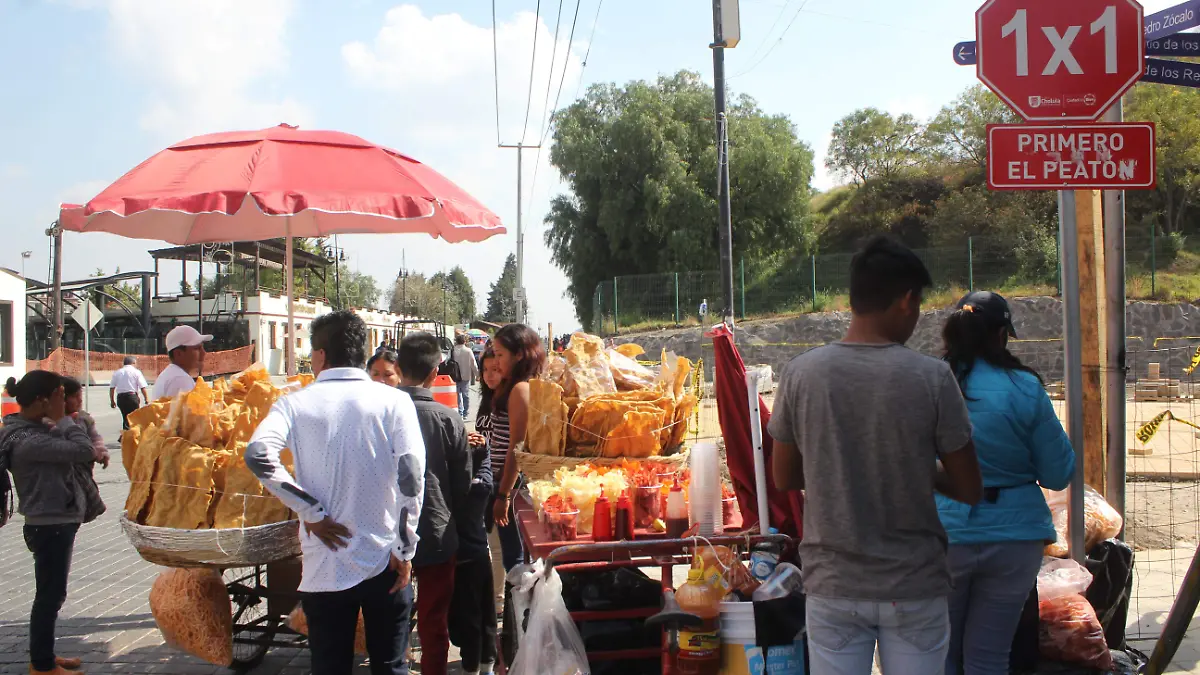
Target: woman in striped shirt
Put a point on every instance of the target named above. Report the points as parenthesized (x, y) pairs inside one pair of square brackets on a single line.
[(519, 358)]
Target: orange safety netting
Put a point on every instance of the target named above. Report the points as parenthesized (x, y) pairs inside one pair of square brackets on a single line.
[(70, 362)]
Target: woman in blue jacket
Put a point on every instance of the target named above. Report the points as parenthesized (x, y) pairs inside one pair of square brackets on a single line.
[(996, 546)]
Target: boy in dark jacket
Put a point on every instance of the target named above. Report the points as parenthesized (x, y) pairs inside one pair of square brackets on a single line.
[(447, 483), (473, 610)]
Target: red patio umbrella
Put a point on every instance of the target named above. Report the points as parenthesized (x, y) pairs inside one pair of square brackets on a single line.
[(729, 375), (281, 181)]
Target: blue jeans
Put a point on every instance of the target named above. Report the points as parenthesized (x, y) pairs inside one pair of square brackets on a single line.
[(842, 634), (464, 398), (512, 551), (991, 584)]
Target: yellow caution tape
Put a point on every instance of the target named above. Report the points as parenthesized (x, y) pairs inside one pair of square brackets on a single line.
[(1147, 430), (1195, 362)]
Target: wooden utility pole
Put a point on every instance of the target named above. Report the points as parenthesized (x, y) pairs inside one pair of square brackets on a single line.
[(1093, 313)]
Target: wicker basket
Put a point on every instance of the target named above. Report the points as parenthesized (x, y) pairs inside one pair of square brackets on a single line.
[(214, 548), (537, 467)]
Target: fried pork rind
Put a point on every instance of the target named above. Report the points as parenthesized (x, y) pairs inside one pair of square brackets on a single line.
[(183, 486), (547, 433), (628, 374), (630, 349), (192, 610), (637, 436), (588, 371), (242, 501), (683, 414), (142, 475)]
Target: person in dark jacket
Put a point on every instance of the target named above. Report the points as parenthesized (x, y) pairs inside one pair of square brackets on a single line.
[(447, 484), (45, 462), (473, 609)]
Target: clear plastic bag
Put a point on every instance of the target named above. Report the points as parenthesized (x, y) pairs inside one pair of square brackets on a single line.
[(1057, 578), (1100, 520), (628, 374), (550, 643), (1070, 632)]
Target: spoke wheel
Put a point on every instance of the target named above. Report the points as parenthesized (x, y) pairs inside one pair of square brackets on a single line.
[(253, 629)]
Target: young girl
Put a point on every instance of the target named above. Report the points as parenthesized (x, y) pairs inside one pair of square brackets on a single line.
[(73, 397), (385, 368), (519, 358), (44, 463), (473, 608)]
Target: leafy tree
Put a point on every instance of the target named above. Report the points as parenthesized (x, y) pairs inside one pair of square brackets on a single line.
[(420, 297), (501, 305), (898, 205), (464, 293), (358, 289), (640, 163), (870, 143), (1176, 113), (128, 293), (958, 133)]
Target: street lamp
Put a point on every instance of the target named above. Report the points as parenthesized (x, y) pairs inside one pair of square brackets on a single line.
[(25, 255), (336, 255), (445, 288)]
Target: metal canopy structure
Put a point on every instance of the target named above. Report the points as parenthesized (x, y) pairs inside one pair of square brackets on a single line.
[(39, 296)]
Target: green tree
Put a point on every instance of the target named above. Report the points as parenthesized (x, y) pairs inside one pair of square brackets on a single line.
[(870, 143), (501, 303), (1176, 114), (958, 133), (422, 297), (640, 163), (464, 294)]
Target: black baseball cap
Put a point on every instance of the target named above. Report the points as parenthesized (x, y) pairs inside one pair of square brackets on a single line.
[(991, 306)]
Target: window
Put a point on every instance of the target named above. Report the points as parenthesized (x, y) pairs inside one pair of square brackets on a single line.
[(271, 329), (6, 333)]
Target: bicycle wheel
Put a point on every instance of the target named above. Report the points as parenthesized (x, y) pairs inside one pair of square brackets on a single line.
[(253, 628)]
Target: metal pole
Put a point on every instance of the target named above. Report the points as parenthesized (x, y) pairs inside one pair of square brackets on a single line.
[(971, 264), (200, 294), (742, 267), (288, 282), (1115, 366), (1073, 347), (616, 323), (814, 282), (1153, 260), (57, 329), (87, 349), (677, 298), (724, 224), (520, 318)]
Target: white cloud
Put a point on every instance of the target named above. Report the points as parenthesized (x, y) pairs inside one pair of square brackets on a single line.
[(437, 71), (204, 61)]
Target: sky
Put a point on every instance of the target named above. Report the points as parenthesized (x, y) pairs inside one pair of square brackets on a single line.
[(90, 88)]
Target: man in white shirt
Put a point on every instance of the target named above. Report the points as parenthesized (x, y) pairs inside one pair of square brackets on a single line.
[(358, 490), (123, 389), (185, 347)]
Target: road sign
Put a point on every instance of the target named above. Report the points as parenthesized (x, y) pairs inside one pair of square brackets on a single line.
[(964, 53), (1162, 71), (1080, 156), (1172, 20), (87, 315), (1059, 61)]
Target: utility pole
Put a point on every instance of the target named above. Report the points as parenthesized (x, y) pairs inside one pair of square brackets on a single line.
[(520, 289), (56, 330), (726, 34)]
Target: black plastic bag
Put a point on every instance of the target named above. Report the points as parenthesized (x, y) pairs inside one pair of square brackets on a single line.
[(778, 622), (1111, 565)]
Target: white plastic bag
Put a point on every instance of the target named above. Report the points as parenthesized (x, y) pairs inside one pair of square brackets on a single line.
[(550, 643), (1058, 577)]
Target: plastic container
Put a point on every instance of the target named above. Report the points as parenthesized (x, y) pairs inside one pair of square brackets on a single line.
[(623, 525), (764, 557), (741, 656), (784, 581), (729, 511), (563, 525), (602, 519), (647, 505), (700, 647), (677, 512), (704, 489)]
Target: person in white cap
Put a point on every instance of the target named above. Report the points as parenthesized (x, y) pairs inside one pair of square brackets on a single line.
[(185, 347)]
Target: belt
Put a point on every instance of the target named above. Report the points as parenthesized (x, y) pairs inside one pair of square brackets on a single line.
[(992, 494)]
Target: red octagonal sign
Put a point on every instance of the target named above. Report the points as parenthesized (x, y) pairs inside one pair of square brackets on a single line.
[(1060, 60)]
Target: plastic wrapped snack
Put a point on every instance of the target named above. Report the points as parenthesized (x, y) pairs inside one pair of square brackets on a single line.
[(582, 486), (588, 372), (628, 374), (1070, 632), (1100, 520), (547, 433), (192, 610)]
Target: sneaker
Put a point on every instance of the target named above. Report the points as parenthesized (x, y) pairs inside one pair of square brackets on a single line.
[(58, 670), (70, 663)]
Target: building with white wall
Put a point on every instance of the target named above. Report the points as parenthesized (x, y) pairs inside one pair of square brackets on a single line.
[(12, 325)]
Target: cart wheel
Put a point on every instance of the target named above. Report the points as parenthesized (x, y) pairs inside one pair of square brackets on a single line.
[(253, 629)]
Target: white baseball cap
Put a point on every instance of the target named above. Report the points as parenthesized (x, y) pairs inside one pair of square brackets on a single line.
[(185, 336)]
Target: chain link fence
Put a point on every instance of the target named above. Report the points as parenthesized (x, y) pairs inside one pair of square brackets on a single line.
[(817, 283)]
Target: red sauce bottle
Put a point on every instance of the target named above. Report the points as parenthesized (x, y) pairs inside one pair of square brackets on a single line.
[(623, 528), (677, 512), (602, 519)]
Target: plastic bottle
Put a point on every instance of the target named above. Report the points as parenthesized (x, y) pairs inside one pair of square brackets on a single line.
[(602, 519), (623, 528), (764, 557), (704, 490), (677, 512), (699, 647)]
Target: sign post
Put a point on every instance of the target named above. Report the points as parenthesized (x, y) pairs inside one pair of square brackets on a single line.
[(1077, 156), (87, 316)]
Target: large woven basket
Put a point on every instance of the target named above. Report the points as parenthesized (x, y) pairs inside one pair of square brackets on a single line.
[(214, 548), (537, 467)]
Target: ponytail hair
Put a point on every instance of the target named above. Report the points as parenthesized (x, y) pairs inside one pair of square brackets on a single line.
[(968, 336), (524, 343), (37, 384)]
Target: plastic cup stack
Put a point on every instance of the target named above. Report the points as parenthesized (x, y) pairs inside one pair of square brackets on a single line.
[(704, 492)]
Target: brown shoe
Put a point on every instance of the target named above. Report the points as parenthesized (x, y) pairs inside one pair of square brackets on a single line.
[(70, 663), (58, 670)]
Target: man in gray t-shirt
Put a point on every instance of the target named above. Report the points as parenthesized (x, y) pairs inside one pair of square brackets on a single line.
[(867, 422)]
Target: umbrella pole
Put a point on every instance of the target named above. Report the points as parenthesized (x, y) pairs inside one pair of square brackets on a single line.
[(291, 300), (760, 461)]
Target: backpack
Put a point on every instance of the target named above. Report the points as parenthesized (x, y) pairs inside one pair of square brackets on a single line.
[(7, 502), (450, 367)]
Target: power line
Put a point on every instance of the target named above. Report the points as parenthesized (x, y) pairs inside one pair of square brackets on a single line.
[(550, 77), (776, 43), (496, 71), (588, 52), (537, 20), (549, 115), (763, 42)]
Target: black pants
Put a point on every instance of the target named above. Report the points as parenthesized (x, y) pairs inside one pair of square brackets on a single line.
[(333, 619), (51, 546), (127, 403), (473, 613)]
